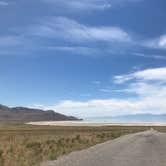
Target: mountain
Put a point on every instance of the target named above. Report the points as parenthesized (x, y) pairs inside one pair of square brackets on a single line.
[(23, 114)]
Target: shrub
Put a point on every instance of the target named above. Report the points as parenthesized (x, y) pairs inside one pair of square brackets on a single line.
[(33, 145), (1, 157), (77, 137), (52, 155)]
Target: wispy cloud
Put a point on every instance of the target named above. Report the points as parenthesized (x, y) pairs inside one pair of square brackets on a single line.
[(105, 90), (90, 5), (74, 37), (154, 74), (81, 38), (81, 5), (10, 44), (96, 82), (158, 43), (78, 50), (68, 29), (152, 56), (4, 3), (18, 45), (6, 41)]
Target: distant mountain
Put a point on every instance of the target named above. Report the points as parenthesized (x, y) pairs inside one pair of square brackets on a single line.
[(23, 114), (134, 118)]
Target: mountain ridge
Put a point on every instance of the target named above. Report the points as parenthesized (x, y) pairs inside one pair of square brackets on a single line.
[(25, 114)]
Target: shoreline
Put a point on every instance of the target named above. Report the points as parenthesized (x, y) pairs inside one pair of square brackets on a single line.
[(92, 124)]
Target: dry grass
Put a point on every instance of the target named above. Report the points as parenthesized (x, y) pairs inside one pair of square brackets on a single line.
[(27, 145)]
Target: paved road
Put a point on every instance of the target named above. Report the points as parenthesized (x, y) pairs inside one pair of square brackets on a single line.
[(141, 149)]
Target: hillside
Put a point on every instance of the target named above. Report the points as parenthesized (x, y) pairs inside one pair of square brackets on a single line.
[(23, 114)]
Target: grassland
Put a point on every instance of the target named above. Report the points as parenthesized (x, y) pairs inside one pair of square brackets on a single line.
[(27, 145)]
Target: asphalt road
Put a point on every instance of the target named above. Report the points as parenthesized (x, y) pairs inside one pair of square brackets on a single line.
[(141, 149)]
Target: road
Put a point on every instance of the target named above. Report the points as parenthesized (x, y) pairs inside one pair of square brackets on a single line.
[(141, 149)]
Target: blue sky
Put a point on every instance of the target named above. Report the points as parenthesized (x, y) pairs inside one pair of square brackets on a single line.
[(84, 58)]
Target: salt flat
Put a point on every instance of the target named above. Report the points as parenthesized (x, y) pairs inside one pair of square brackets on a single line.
[(91, 124)]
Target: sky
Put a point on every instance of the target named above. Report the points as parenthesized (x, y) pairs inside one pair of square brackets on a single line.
[(84, 57)]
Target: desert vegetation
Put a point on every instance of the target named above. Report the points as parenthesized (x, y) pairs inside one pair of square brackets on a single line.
[(27, 145)]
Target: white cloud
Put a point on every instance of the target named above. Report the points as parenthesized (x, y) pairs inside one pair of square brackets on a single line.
[(3, 3), (146, 98), (108, 34), (90, 108), (158, 43), (162, 42), (154, 74), (64, 28), (111, 107)]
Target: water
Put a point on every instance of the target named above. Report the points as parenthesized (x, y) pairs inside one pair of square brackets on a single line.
[(138, 118)]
